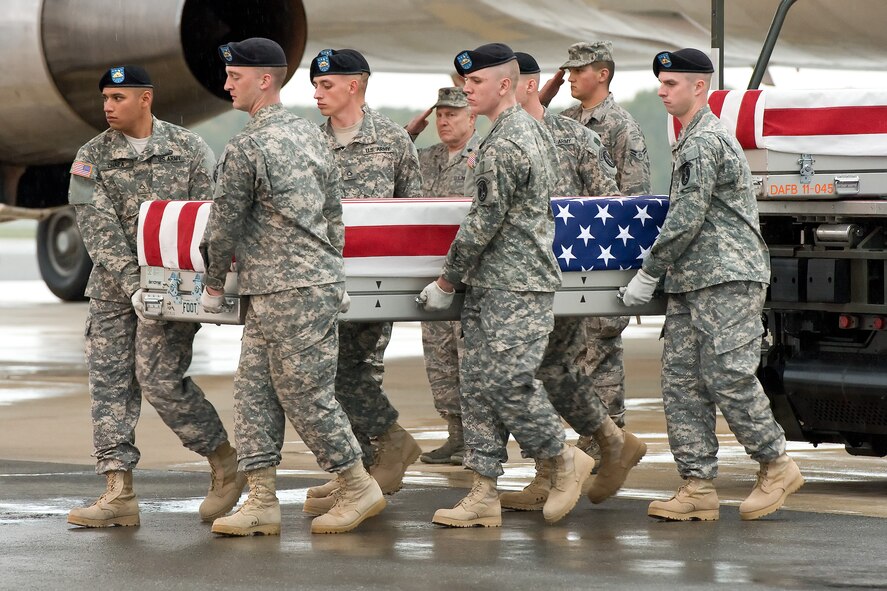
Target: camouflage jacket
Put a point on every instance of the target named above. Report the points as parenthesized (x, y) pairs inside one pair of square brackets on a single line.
[(109, 181), (277, 207), (711, 234), (585, 165), (624, 139), (380, 161), (505, 240), (442, 176)]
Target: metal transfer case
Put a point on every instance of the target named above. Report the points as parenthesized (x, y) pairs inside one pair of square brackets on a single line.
[(395, 247)]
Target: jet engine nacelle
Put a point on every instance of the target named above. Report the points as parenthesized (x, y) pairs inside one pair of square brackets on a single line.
[(55, 51)]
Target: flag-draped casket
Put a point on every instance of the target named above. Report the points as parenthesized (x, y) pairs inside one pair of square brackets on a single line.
[(394, 247), (807, 144)]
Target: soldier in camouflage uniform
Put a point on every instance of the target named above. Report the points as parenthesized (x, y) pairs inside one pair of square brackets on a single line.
[(138, 159), (503, 254), (583, 169), (377, 160), (591, 69), (716, 269), (447, 170), (278, 212)]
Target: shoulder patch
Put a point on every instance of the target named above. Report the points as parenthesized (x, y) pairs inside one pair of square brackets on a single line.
[(608, 160), (686, 169), (84, 169), (482, 190)]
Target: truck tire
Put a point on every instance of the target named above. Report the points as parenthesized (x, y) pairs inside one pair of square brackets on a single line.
[(61, 255)]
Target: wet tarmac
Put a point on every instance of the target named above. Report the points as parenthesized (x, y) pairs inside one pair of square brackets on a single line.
[(832, 534)]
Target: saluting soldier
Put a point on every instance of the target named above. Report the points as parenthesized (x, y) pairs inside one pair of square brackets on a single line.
[(278, 211), (139, 158), (591, 68), (716, 269), (376, 159), (502, 252), (447, 171), (584, 168)]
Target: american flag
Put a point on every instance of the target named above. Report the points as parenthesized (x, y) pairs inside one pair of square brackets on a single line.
[(83, 169), (411, 237), (606, 233)]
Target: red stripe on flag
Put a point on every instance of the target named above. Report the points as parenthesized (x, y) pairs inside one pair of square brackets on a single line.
[(716, 102), (745, 121), (825, 121), (151, 233), (187, 220), (399, 240)]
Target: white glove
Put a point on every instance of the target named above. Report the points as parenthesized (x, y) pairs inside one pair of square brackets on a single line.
[(639, 290), (137, 304), (211, 304), (435, 299), (345, 304)]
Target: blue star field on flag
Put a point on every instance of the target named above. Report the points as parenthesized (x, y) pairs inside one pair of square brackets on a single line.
[(606, 233)]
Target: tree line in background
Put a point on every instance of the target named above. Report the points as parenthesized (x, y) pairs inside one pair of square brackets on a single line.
[(645, 107)]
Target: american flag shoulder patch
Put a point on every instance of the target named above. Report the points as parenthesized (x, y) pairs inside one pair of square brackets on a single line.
[(84, 169)]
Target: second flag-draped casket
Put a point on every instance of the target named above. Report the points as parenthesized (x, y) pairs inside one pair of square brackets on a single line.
[(394, 247)]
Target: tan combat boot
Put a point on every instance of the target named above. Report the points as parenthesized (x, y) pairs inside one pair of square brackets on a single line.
[(454, 444), (776, 481), (358, 498), (697, 499), (570, 471), (260, 514), (320, 505), (395, 452), (587, 444), (226, 485), (118, 505), (324, 490), (620, 452), (534, 495), (479, 508)]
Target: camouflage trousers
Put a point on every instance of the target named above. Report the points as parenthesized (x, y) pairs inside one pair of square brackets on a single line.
[(359, 380), (442, 344), (711, 353), (287, 370), (505, 336), (569, 388), (603, 362), (128, 358)]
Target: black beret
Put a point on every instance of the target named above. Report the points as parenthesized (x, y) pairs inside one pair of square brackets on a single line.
[(338, 61), (255, 52), (683, 60), (485, 56), (126, 76), (527, 63)]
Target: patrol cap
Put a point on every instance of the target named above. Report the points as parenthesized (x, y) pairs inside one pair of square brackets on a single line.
[(485, 56), (527, 63), (683, 60), (338, 61), (256, 52), (582, 54), (126, 77), (451, 96)]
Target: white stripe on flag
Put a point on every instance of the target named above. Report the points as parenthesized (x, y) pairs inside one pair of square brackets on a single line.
[(169, 234), (419, 266), (140, 236), (415, 212), (197, 262)]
